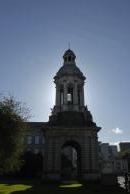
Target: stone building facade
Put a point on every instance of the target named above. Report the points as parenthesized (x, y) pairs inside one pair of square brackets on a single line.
[(70, 125)]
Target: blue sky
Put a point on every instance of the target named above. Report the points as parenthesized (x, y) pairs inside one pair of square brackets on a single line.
[(33, 37)]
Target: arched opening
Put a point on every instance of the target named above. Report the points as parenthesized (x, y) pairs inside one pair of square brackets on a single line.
[(69, 58), (70, 160), (65, 59), (70, 94)]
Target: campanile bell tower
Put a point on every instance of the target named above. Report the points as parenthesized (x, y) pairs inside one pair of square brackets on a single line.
[(69, 82), (70, 126)]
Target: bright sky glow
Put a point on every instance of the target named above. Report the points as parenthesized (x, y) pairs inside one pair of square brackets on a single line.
[(33, 37)]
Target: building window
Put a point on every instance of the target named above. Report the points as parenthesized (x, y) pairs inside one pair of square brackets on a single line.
[(29, 140), (37, 139)]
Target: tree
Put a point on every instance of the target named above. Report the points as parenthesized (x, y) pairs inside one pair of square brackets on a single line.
[(32, 166), (13, 117), (126, 155)]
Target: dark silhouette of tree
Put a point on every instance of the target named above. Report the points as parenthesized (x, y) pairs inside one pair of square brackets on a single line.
[(32, 166), (12, 127), (126, 155)]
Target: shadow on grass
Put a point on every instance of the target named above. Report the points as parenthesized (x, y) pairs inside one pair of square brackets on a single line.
[(36, 187)]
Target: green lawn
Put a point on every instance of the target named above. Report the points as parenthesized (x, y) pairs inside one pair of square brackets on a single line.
[(12, 188), (26, 187)]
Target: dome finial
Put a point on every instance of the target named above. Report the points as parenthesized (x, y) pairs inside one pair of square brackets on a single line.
[(69, 57)]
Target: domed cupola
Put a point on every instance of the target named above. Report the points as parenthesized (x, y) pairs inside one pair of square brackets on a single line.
[(69, 66), (69, 57), (69, 82)]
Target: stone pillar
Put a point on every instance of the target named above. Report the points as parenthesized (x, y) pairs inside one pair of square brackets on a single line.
[(86, 156), (49, 156), (57, 95), (94, 153), (82, 96), (65, 97), (75, 95), (90, 168), (52, 164), (58, 158)]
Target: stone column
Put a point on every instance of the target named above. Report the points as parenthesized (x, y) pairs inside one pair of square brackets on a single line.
[(75, 95), (65, 97), (82, 95), (52, 172), (90, 168), (86, 156), (49, 156), (57, 95), (58, 157), (94, 151)]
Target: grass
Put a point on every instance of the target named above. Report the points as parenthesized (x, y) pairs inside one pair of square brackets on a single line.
[(7, 188), (73, 185), (35, 187)]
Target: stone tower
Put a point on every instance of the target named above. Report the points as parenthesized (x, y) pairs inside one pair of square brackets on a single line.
[(70, 125)]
